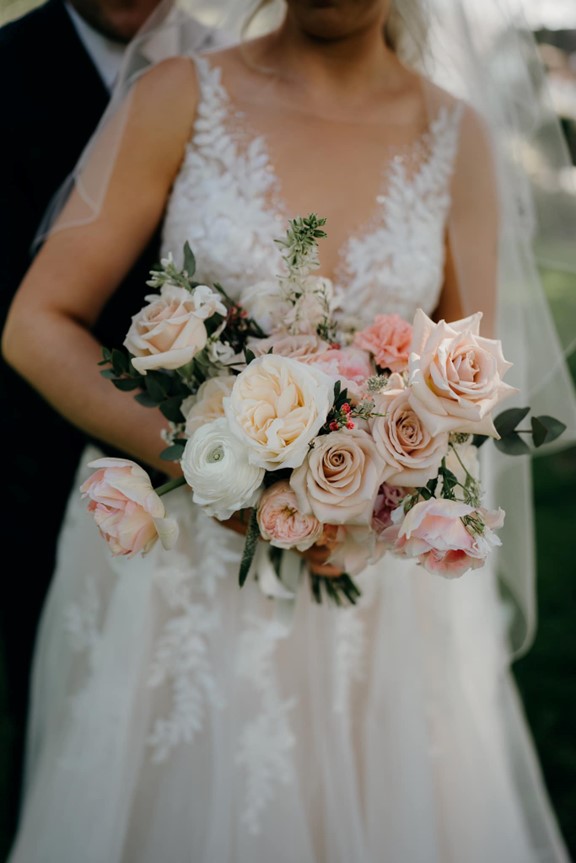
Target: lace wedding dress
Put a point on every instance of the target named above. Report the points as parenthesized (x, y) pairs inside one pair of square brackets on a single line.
[(176, 719)]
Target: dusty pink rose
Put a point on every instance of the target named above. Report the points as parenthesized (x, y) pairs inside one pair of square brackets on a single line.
[(455, 375), (303, 347), (169, 331), (448, 537), (280, 521), (129, 514), (388, 339), (339, 478), (350, 365), (389, 497), (411, 453)]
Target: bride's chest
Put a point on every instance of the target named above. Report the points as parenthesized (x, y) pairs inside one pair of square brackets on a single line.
[(385, 226)]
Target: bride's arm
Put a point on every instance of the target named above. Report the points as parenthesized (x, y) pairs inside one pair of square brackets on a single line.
[(47, 337), (471, 260)]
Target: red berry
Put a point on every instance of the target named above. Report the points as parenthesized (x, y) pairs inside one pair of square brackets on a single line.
[(333, 426), (346, 408), (350, 424)]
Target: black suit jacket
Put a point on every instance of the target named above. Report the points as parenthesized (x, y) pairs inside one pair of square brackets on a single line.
[(51, 99)]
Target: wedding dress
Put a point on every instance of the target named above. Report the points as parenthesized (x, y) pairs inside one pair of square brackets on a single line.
[(176, 718)]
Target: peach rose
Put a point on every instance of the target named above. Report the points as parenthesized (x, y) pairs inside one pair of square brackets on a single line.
[(388, 339), (169, 331), (339, 479), (128, 512), (352, 547), (280, 521), (447, 536), (456, 375), (411, 453), (276, 408), (208, 403)]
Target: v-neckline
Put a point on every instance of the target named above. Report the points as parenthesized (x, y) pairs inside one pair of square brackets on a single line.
[(243, 134)]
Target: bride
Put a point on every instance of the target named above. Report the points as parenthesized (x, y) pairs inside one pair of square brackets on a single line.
[(174, 717)]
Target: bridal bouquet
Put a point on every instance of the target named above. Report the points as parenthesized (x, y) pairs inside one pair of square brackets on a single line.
[(363, 441)]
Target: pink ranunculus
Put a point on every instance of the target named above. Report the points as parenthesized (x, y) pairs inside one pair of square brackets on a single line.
[(455, 375), (388, 339), (280, 521), (128, 512), (447, 537)]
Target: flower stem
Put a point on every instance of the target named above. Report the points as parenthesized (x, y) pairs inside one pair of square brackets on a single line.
[(170, 485)]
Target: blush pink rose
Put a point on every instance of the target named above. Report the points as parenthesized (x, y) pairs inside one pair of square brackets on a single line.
[(128, 512), (339, 479), (303, 347), (280, 521), (388, 339), (169, 331), (447, 537), (455, 375), (411, 453)]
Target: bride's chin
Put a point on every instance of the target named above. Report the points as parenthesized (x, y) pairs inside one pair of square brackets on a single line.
[(334, 20)]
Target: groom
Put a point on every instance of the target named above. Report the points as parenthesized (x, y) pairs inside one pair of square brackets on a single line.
[(57, 64)]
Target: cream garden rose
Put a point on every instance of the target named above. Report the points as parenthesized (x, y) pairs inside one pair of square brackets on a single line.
[(276, 408), (340, 477), (129, 514), (280, 521), (170, 330), (215, 465), (455, 375), (412, 455), (208, 403)]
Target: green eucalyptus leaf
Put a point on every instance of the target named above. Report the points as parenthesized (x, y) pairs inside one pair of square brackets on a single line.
[(120, 362), (479, 439), (170, 408), (250, 544), (189, 259), (125, 384), (172, 453), (154, 388), (507, 421), (546, 429), (512, 444), (249, 355), (144, 399)]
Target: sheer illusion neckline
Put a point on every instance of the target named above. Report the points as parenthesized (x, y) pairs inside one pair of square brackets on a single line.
[(405, 163)]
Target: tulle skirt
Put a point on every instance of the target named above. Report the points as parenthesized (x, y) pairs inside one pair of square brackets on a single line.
[(178, 718)]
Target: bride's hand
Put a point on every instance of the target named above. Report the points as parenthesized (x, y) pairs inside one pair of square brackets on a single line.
[(316, 556)]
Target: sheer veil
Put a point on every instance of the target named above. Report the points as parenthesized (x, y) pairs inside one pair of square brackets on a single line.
[(485, 55)]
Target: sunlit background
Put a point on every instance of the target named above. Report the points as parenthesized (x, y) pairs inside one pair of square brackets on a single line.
[(545, 676)]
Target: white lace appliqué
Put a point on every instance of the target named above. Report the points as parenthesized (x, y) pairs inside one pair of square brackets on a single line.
[(265, 743), (182, 655)]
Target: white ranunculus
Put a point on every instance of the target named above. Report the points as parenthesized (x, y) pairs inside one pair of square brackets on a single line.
[(216, 466), (277, 407)]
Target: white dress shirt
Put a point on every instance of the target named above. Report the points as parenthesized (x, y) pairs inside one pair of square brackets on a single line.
[(106, 55)]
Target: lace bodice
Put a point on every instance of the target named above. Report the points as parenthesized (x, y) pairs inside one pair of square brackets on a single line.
[(225, 202)]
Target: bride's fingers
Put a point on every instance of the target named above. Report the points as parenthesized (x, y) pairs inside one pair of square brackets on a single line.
[(317, 557)]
